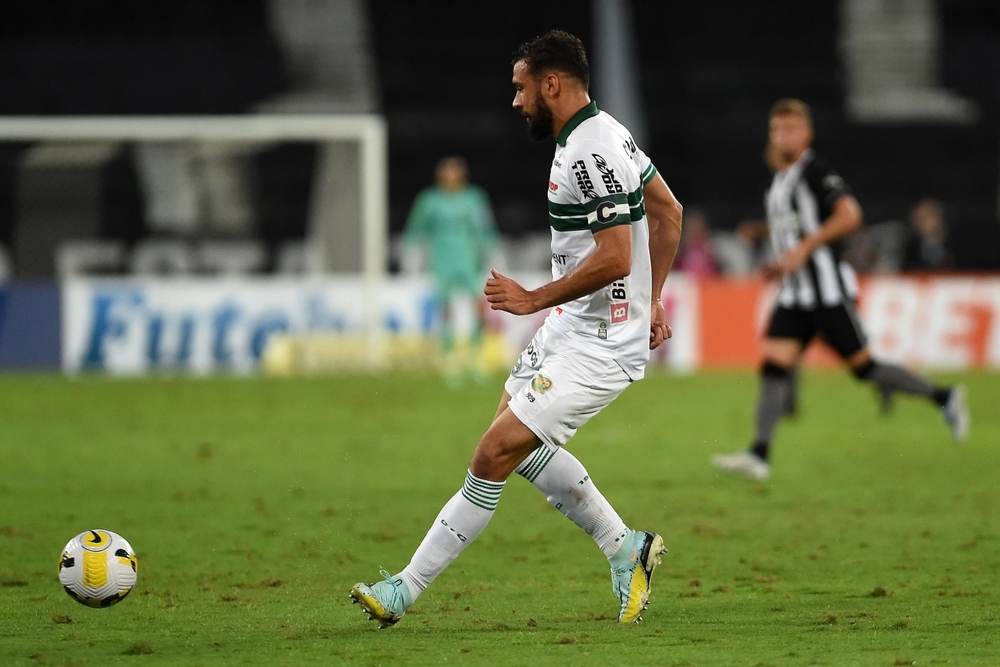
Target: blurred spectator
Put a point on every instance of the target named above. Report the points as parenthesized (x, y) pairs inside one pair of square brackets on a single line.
[(453, 222), (695, 255), (860, 252), (927, 248)]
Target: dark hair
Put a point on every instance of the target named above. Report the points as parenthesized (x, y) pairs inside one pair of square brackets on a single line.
[(555, 50)]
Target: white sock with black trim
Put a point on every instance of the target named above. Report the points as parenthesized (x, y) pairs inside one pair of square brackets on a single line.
[(460, 521), (567, 486)]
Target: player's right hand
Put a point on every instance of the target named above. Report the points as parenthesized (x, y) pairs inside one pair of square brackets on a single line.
[(505, 294)]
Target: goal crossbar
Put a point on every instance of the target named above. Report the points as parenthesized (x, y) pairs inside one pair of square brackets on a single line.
[(258, 127)]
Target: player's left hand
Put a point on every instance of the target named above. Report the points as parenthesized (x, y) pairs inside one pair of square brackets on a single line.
[(505, 294), (659, 330)]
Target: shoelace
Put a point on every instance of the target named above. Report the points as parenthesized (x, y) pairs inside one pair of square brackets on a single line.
[(395, 591)]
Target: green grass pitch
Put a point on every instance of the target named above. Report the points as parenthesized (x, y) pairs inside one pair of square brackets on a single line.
[(254, 505)]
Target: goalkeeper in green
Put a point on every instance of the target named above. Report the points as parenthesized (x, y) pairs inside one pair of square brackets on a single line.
[(453, 222)]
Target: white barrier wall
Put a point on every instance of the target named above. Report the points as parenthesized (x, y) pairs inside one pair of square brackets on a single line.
[(205, 325), (201, 326), (948, 323)]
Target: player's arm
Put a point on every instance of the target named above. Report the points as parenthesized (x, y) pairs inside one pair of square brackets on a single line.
[(846, 218), (610, 261), (664, 214)]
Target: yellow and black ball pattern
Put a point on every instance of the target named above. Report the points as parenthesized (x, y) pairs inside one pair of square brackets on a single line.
[(98, 568)]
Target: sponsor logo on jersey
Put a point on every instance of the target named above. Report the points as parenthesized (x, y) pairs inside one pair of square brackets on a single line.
[(541, 384), (583, 180), (618, 291), (553, 186), (619, 313), (607, 175), (560, 259)]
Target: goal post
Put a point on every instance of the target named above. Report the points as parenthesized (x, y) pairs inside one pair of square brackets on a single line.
[(367, 131)]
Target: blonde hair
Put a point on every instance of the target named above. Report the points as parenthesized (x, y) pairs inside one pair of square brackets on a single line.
[(790, 105)]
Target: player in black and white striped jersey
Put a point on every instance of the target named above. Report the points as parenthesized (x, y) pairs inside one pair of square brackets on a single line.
[(809, 209)]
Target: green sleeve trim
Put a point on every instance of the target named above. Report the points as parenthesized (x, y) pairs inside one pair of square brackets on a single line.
[(648, 175), (636, 205), (568, 225), (567, 210), (567, 217)]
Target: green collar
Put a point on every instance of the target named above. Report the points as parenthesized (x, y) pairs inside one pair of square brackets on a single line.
[(583, 114)]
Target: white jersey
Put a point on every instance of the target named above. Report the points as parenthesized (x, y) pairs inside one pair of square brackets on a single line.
[(595, 183)]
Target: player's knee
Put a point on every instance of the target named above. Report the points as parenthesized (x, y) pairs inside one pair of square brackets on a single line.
[(864, 371), (483, 461), (491, 456), (488, 449), (773, 370)]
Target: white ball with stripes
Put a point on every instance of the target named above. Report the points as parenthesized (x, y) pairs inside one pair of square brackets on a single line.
[(98, 568)]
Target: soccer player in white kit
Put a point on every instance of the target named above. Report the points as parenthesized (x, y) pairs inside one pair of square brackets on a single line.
[(615, 228)]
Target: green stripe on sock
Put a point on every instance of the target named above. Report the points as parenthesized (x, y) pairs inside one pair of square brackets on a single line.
[(485, 485), (537, 464), (479, 504), (479, 495), (540, 460), (482, 493)]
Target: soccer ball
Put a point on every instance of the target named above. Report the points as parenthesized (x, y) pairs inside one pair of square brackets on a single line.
[(98, 568)]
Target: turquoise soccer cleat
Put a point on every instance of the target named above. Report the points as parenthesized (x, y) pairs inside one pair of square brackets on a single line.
[(632, 573), (383, 601)]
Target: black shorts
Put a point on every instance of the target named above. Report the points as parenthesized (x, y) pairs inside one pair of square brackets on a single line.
[(838, 326)]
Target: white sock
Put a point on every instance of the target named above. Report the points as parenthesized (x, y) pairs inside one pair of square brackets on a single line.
[(567, 486), (460, 521)]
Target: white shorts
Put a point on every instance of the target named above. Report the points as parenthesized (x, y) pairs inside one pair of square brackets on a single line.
[(555, 387)]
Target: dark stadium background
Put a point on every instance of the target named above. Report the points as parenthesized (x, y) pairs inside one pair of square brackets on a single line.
[(709, 71)]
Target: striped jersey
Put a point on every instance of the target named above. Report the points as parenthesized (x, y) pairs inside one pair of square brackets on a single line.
[(596, 183), (798, 201)]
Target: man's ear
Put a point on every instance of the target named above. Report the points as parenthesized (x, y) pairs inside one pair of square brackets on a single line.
[(552, 84)]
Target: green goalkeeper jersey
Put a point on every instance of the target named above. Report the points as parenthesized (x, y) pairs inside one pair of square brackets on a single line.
[(458, 229)]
